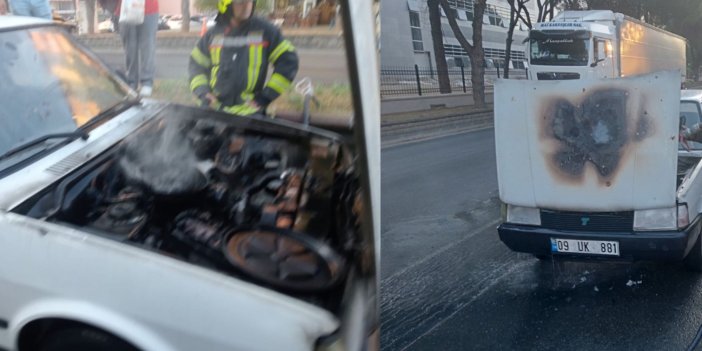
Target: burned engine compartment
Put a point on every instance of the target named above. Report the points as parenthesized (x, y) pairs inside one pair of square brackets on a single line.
[(274, 208)]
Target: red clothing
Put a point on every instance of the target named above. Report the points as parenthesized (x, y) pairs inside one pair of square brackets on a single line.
[(150, 7)]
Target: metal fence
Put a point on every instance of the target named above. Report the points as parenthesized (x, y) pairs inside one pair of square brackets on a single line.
[(404, 81)]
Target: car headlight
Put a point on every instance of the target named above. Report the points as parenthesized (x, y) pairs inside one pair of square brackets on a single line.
[(523, 215), (661, 218)]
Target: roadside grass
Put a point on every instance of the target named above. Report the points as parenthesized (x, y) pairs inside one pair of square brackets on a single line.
[(334, 99)]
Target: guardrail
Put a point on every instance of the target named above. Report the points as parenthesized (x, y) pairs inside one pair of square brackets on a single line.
[(407, 81)]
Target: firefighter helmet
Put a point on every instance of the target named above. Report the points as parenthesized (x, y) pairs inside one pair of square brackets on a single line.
[(224, 5)]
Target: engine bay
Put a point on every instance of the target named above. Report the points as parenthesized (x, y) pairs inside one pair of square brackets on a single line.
[(271, 206)]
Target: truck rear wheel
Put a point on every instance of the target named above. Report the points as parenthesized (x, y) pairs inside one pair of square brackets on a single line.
[(693, 260), (83, 339)]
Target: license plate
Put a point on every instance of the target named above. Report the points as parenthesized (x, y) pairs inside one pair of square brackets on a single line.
[(587, 247)]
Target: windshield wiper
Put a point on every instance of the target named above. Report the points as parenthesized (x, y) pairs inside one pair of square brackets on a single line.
[(72, 135), (124, 104)]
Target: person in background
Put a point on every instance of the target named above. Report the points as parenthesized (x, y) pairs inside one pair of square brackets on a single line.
[(139, 42), (33, 8), (111, 7), (3, 8), (229, 64)]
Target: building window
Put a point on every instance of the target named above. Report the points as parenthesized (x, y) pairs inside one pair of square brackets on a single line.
[(463, 9), (461, 5), (454, 50), (518, 55), (493, 17), (416, 28)]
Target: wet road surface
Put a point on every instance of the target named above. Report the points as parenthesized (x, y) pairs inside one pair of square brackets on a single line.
[(448, 283)]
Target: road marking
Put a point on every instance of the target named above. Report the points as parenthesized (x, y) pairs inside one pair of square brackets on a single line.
[(472, 299), (442, 250)]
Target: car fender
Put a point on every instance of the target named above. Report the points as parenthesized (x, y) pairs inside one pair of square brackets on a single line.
[(97, 316)]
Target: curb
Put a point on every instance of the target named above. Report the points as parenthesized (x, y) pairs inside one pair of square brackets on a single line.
[(431, 115), (398, 133), (187, 41), (432, 136)]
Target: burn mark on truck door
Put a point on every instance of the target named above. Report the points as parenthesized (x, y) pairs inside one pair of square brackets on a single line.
[(594, 131)]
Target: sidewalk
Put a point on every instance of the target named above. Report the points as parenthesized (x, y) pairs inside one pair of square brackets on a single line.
[(310, 38), (407, 127)]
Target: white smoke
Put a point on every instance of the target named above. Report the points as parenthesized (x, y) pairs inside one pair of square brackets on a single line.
[(163, 160)]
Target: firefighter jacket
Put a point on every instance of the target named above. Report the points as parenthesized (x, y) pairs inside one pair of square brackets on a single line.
[(232, 64)]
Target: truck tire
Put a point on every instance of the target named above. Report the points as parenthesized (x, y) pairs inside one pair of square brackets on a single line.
[(83, 339), (693, 260)]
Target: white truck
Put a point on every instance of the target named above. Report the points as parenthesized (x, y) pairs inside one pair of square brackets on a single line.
[(593, 169), (130, 224), (601, 44)]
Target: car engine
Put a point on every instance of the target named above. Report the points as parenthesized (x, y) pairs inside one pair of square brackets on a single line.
[(275, 206)]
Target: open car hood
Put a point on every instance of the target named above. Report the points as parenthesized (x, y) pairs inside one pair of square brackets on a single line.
[(588, 145)]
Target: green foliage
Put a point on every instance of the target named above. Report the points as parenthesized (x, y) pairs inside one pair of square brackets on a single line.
[(206, 5), (332, 98)]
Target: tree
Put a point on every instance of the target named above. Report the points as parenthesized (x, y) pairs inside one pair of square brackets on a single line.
[(475, 51), (264, 7), (546, 10), (518, 13), (185, 8), (438, 39), (90, 7)]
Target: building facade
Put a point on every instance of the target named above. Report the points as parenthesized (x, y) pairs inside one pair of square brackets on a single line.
[(406, 34)]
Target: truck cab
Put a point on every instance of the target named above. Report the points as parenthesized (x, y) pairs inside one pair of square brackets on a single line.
[(572, 47), (601, 44)]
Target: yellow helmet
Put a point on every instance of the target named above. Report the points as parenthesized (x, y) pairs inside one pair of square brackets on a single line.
[(224, 5)]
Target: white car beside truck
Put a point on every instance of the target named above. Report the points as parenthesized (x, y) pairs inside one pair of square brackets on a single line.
[(593, 169)]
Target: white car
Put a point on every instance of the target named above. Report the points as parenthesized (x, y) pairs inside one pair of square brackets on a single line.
[(106, 26), (176, 23), (601, 169), (131, 224)]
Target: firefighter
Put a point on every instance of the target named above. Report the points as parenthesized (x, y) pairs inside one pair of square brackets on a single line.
[(229, 64)]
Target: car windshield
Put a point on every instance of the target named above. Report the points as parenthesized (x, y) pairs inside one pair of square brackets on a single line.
[(690, 118), (559, 51), (49, 85)]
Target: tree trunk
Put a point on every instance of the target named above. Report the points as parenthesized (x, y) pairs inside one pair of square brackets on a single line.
[(185, 9), (438, 39), (475, 51), (477, 57), (510, 33), (90, 14)]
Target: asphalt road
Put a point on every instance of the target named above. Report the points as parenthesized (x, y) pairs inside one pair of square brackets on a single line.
[(448, 283), (321, 65)]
